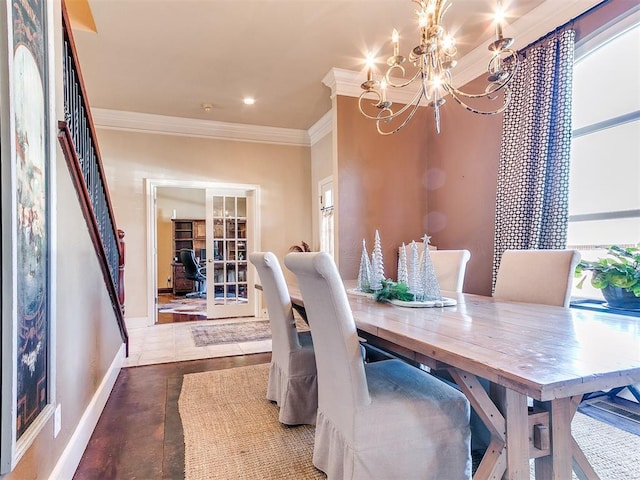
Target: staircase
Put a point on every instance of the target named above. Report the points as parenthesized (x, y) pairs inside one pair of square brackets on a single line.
[(78, 139)]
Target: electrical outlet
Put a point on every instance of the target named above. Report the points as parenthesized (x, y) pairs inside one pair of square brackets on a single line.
[(57, 420)]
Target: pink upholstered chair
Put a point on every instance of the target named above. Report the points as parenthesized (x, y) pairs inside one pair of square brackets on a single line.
[(292, 377), (380, 420)]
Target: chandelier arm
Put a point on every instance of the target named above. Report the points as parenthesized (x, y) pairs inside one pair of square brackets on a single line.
[(416, 99), (415, 103), (442, 11), (505, 104), (401, 85), (404, 122), (487, 93), (497, 86), (362, 97)]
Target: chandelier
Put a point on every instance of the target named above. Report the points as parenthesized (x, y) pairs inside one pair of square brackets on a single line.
[(433, 60)]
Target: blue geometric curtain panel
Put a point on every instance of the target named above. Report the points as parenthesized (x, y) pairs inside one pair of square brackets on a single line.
[(532, 200)]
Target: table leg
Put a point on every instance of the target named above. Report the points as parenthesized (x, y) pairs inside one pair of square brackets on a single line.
[(506, 416), (558, 465), (514, 408), (561, 415)]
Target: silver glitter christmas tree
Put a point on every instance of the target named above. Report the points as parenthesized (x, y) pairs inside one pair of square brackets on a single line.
[(415, 286), (403, 273), (377, 264), (364, 274), (430, 286)]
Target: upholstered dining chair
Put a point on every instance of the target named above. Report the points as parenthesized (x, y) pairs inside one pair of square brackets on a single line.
[(536, 276), (377, 420), (450, 267), (292, 377)]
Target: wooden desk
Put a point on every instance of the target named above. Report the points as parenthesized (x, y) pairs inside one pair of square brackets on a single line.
[(552, 354)]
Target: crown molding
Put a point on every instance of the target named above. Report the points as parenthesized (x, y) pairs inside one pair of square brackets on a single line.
[(322, 127), (189, 127)]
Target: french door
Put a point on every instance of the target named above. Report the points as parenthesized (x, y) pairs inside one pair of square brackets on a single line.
[(230, 238)]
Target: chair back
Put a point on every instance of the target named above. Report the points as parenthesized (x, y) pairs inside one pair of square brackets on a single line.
[(536, 276), (283, 328), (342, 384), (188, 259), (450, 267)]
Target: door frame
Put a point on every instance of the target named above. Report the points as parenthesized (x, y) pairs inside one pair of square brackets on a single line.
[(151, 186)]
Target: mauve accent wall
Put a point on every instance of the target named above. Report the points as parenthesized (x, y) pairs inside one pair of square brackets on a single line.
[(461, 187), (381, 185)]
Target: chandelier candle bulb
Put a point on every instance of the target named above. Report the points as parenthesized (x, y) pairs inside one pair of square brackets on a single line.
[(499, 18), (395, 40)]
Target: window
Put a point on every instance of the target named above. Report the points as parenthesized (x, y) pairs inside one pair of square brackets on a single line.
[(604, 201)]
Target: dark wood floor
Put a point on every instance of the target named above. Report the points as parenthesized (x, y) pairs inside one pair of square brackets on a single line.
[(139, 435)]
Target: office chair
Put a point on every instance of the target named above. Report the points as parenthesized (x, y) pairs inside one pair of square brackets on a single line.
[(194, 272)]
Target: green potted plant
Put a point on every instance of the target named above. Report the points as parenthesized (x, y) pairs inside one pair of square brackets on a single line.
[(617, 275)]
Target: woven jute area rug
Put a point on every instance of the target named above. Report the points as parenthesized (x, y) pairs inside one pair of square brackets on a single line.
[(232, 432)]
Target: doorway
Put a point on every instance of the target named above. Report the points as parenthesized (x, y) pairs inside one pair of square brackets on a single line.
[(190, 203), (180, 224)]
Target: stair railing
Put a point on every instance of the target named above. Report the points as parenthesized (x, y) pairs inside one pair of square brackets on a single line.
[(79, 142)]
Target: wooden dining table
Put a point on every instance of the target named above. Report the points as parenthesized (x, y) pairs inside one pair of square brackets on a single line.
[(553, 355)]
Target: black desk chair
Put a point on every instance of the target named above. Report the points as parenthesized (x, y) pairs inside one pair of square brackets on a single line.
[(194, 272)]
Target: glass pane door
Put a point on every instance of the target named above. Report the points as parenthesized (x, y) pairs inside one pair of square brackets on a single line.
[(228, 283)]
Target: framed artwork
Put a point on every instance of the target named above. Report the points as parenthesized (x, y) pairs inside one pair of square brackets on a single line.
[(26, 293)]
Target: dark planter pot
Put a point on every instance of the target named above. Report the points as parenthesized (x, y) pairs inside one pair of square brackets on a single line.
[(616, 297)]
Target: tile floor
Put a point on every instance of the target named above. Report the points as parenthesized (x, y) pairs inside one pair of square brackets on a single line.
[(173, 342)]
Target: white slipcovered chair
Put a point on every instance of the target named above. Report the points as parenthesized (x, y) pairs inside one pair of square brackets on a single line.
[(292, 377), (450, 267), (536, 276), (380, 420)]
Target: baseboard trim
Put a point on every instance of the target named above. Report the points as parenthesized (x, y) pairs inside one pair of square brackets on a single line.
[(72, 454), (165, 290)]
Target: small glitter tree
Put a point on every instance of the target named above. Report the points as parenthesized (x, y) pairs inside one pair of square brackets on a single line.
[(403, 274), (364, 274), (415, 286), (377, 264), (430, 285)]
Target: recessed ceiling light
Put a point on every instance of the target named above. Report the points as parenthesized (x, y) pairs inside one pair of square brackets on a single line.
[(249, 100), (207, 107)]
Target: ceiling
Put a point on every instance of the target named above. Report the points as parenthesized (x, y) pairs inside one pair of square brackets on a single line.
[(168, 57)]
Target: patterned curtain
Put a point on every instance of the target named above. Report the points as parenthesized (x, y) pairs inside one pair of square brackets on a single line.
[(532, 202)]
